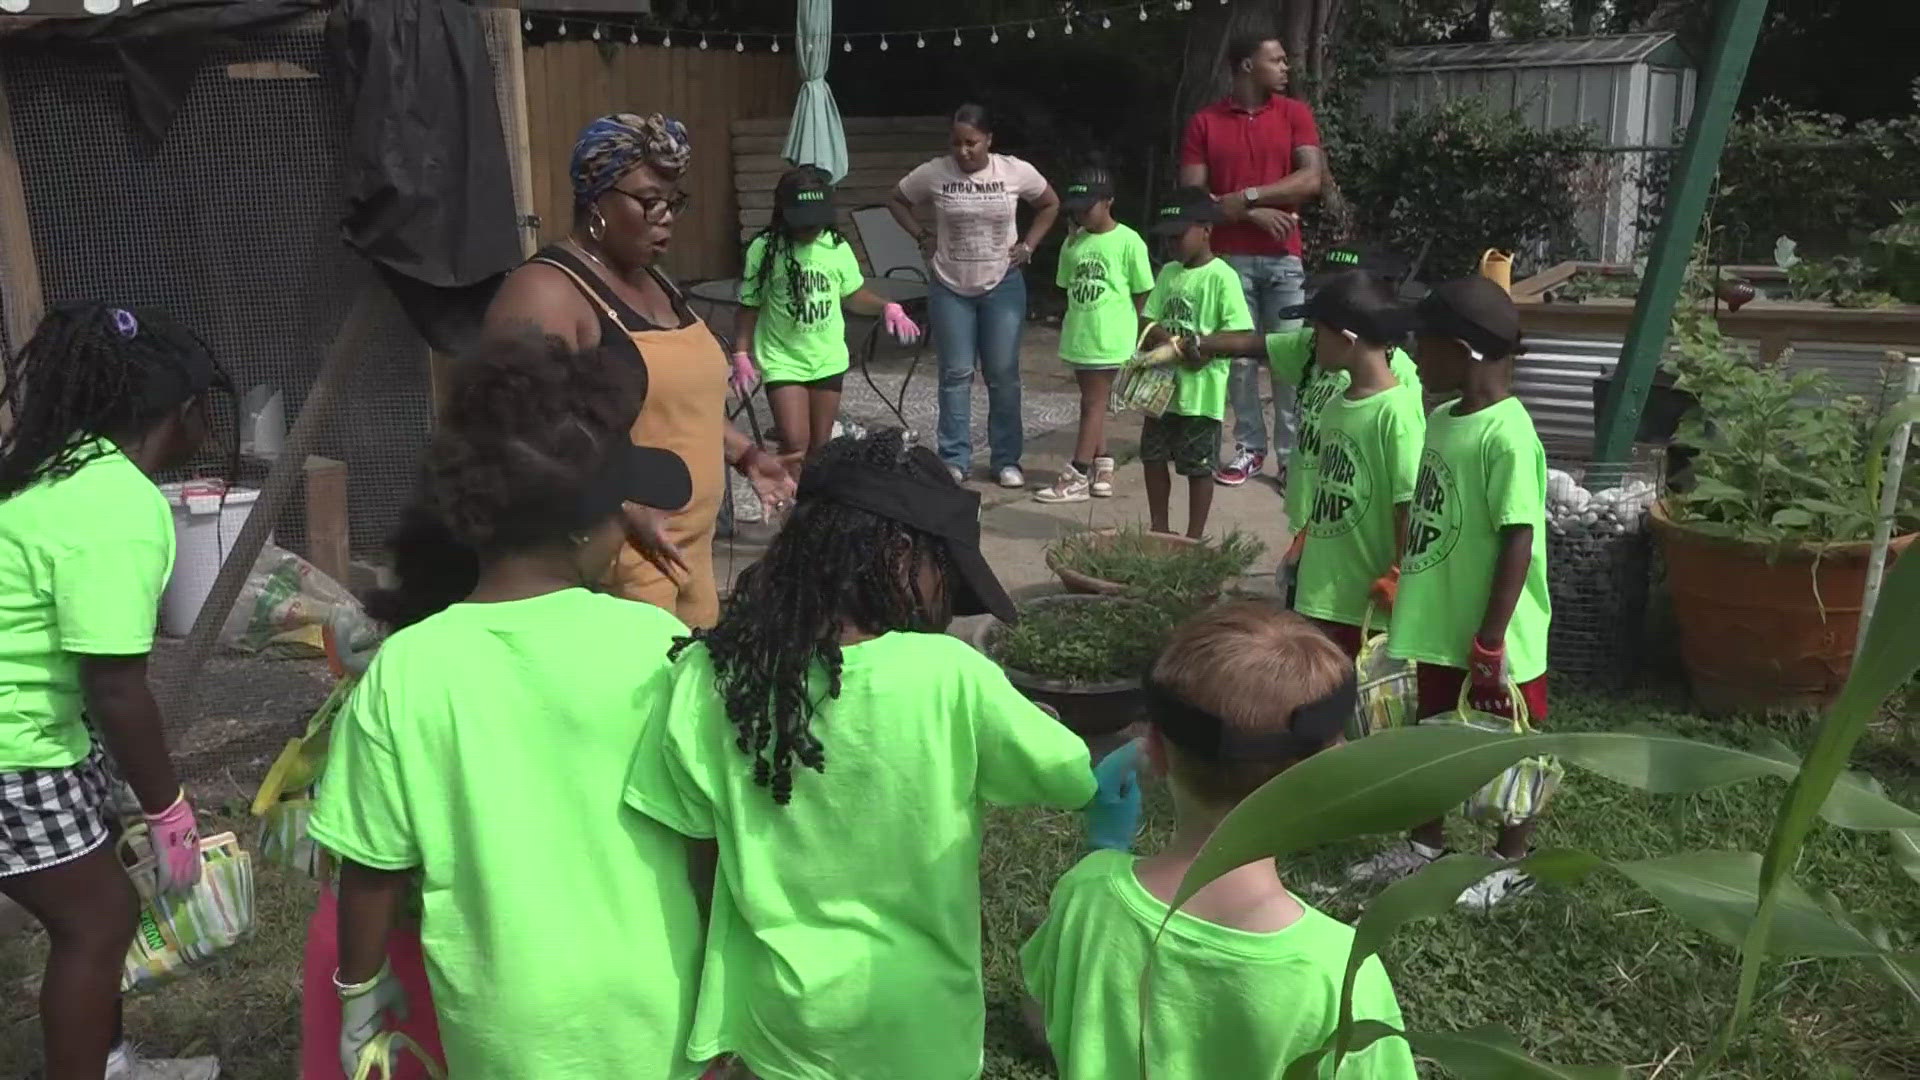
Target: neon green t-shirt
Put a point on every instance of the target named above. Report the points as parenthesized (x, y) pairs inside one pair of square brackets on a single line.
[(1102, 273), (1369, 460), (83, 561), (1290, 358), (486, 747), (808, 342), (844, 942), (1478, 474), (1226, 1002), (1204, 299)]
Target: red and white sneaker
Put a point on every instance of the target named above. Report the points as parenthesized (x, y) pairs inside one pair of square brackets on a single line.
[(1246, 465)]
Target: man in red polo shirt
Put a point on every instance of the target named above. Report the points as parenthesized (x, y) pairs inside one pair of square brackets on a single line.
[(1258, 151)]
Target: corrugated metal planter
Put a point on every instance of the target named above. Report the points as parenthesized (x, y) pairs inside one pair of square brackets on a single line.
[(1763, 626)]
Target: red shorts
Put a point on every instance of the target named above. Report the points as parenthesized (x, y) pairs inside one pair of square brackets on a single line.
[(1345, 636), (1440, 692)]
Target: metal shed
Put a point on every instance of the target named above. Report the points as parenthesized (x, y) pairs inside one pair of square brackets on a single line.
[(1634, 90)]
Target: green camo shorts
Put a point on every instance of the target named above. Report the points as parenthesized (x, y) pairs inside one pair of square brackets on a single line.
[(1190, 443)]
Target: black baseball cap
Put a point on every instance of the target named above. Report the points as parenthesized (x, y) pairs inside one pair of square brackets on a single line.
[(1474, 311), (633, 474), (1373, 258), (1359, 302), (925, 498), (1087, 187), (805, 198), (1187, 206)]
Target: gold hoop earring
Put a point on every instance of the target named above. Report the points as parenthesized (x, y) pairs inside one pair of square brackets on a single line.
[(597, 225)]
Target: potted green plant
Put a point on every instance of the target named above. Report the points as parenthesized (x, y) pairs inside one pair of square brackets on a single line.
[(1082, 655), (1135, 561), (1767, 547)]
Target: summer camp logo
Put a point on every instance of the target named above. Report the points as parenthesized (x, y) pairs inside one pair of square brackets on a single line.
[(1319, 390), (1089, 282), (1342, 489), (1178, 316), (1433, 522), (817, 300)]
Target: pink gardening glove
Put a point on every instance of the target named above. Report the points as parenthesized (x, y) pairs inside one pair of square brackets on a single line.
[(176, 846), (903, 329), (744, 377)]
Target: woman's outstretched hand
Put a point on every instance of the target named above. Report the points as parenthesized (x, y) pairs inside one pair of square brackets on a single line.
[(647, 534)]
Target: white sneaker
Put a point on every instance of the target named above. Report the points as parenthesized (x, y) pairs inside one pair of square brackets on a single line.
[(1102, 485), (1496, 888), (959, 474), (125, 1063), (1072, 487), (1394, 863), (1011, 477)]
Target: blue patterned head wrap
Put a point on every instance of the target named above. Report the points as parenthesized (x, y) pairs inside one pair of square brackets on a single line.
[(613, 146)]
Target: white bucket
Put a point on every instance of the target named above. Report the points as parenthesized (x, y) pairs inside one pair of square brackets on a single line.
[(203, 532)]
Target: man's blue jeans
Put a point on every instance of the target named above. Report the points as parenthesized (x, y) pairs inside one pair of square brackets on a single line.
[(1272, 283), (979, 331)]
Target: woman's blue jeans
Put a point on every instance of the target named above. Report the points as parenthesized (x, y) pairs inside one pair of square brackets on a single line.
[(979, 331)]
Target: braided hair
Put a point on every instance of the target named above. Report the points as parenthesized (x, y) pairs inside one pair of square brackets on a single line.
[(831, 568), (527, 420), (779, 235), (93, 370)]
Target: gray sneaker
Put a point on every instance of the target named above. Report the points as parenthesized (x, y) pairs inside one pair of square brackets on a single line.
[(1073, 486), (1396, 862), (125, 1063), (1102, 485)]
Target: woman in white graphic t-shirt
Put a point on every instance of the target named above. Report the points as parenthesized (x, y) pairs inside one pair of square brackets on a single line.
[(978, 298)]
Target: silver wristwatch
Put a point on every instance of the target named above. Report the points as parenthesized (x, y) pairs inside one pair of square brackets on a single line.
[(1252, 195)]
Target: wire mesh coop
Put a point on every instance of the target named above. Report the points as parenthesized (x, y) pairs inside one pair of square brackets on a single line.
[(1599, 568), (231, 223)]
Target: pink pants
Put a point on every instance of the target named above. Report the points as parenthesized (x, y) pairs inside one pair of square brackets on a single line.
[(320, 1006)]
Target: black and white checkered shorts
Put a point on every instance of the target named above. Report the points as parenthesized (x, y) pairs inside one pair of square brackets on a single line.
[(53, 816)]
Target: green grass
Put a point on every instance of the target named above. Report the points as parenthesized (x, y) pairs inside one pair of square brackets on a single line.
[(1585, 975)]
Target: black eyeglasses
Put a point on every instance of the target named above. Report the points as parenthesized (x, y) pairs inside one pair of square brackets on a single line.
[(657, 209)]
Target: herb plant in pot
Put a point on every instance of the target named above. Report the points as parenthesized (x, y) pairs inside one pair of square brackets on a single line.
[(1135, 561), (1767, 549), (1082, 655)]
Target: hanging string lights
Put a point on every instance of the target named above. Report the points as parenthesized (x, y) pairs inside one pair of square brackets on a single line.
[(549, 27)]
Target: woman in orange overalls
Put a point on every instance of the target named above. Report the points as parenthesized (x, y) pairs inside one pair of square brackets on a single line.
[(602, 285)]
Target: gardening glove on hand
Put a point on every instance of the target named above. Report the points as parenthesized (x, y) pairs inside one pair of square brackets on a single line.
[(176, 846), (904, 330), (351, 639), (744, 377), (364, 1008), (1386, 589), (1113, 817), (1489, 677)]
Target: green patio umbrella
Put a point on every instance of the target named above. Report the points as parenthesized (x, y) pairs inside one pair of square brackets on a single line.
[(815, 137)]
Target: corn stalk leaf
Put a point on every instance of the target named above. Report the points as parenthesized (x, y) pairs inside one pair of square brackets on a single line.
[(1888, 657), (1483, 1053), (1906, 851)]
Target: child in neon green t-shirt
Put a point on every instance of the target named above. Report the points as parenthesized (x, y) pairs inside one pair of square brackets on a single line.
[(799, 272), (840, 747), (1105, 271), (1472, 609), (1246, 977), (1195, 295)]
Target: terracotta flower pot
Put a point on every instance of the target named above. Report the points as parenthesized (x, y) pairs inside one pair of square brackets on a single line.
[(1092, 710), (1075, 582), (1764, 627)]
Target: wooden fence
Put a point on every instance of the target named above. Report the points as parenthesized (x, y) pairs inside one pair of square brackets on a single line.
[(570, 83)]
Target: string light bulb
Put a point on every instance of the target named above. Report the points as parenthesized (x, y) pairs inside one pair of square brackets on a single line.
[(563, 28), (1106, 23), (703, 40), (846, 44), (994, 37), (527, 24), (919, 41), (1069, 29), (666, 40), (596, 31), (1030, 32), (776, 44), (883, 43), (956, 39), (633, 36), (1143, 13), (738, 45)]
